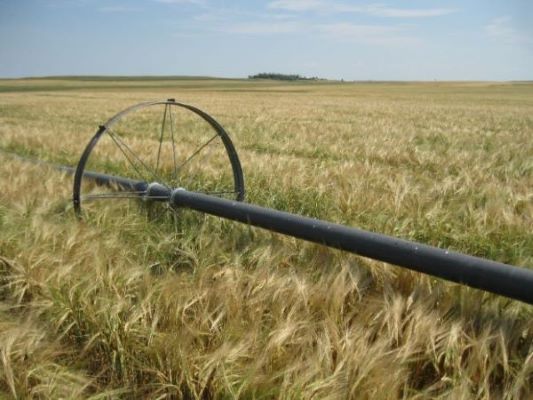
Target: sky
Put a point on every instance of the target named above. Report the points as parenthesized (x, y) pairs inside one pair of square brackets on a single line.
[(339, 39)]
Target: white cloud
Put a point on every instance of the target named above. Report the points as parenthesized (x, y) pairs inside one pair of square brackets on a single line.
[(365, 34), (382, 11), (222, 14), (347, 29), (118, 9), (369, 34), (208, 17), (195, 2), (298, 5), (263, 28), (502, 28), (239, 22), (378, 10)]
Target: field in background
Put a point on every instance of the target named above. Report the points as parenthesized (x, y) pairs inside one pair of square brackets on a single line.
[(198, 307)]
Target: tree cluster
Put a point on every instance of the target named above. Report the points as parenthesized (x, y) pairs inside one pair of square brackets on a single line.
[(281, 77)]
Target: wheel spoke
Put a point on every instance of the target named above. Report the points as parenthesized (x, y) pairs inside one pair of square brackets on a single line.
[(112, 136), (117, 139), (113, 195), (173, 145), (161, 137), (196, 152), (120, 195), (220, 193)]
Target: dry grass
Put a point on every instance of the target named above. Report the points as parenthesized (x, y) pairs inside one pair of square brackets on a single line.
[(197, 307)]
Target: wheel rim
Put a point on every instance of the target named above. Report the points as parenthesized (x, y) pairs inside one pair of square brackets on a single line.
[(171, 143)]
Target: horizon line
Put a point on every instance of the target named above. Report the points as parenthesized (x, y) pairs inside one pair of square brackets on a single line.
[(211, 77)]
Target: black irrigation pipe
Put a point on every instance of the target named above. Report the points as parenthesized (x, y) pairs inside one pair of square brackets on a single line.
[(98, 178), (491, 276)]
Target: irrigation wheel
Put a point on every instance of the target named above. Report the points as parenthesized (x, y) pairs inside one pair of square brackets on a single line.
[(164, 142)]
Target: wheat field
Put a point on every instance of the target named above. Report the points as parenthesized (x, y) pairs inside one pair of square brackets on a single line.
[(129, 303)]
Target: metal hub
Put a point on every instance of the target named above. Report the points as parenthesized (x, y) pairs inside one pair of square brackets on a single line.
[(157, 192)]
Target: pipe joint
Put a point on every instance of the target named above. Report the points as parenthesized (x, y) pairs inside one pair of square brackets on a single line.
[(174, 197), (157, 192)]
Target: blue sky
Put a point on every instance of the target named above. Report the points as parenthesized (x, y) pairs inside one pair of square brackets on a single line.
[(353, 40)]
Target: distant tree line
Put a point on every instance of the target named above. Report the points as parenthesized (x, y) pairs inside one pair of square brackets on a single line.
[(281, 77)]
